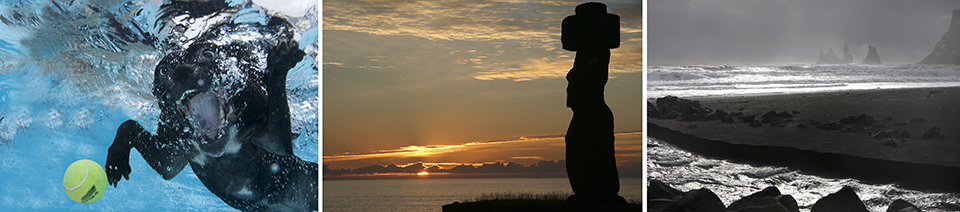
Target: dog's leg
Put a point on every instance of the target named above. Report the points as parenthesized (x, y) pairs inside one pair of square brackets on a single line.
[(276, 136), (166, 156)]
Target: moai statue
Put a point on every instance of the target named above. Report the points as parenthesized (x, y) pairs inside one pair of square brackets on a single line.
[(591, 164)]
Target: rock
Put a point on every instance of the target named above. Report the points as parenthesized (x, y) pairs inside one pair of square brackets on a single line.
[(904, 134), (801, 126), (829, 58), (796, 112), (755, 123), (864, 120), (692, 126), (890, 142), (947, 50), (765, 204), (847, 57), (844, 200), (702, 200), (747, 119), (932, 133), (784, 114), (718, 114), (768, 117), (666, 205), (671, 115), (900, 205), (872, 56), (660, 190), (768, 199), (652, 110), (685, 109)]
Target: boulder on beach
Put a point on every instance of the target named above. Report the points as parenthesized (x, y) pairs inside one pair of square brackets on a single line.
[(768, 199), (900, 205), (844, 200), (660, 190), (932, 133), (702, 200)]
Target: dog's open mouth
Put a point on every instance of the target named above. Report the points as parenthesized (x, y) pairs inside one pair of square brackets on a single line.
[(210, 115)]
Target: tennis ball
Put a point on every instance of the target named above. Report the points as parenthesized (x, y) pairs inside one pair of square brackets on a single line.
[(85, 181)]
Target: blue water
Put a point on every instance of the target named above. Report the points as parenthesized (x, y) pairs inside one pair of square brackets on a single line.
[(432, 194), (687, 171), (68, 78)]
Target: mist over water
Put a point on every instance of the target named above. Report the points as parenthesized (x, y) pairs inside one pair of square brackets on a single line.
[(785, 31), (731, 181)]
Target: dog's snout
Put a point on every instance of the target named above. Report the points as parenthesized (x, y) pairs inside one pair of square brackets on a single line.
[(182, 72)]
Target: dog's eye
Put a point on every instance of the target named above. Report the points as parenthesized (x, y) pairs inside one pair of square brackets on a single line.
[(207, 54)]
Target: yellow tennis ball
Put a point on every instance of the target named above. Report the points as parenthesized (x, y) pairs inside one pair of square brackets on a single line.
[(85, 181)]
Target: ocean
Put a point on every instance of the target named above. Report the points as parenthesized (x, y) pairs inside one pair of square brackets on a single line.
[(431, 194), (687, 171), (711, 80), (72, 71)]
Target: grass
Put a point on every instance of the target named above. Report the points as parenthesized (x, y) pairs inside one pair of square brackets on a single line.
[(547, 202)]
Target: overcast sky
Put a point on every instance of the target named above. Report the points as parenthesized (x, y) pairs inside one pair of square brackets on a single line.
[(436, 81), (786, 31)]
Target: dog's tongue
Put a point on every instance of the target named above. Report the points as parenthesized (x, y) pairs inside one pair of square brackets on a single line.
[(205, 109)]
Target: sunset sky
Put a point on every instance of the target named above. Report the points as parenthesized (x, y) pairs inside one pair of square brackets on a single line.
[(462, 82)]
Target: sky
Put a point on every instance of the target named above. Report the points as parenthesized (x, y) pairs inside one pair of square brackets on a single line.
[(784, 31), (462, 82)]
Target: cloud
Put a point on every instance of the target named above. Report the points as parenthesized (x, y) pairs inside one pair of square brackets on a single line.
[(447, 20), (526, 150), (627, 59), (494, 167)]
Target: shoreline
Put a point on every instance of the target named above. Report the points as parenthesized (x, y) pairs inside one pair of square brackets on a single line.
[(818, 134)]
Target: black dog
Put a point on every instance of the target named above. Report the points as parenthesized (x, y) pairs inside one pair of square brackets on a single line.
[(224, 111)]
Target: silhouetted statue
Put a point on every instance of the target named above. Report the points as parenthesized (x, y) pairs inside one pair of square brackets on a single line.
[(591, 165)]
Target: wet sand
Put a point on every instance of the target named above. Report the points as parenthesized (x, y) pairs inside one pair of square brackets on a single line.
[(815, 133)]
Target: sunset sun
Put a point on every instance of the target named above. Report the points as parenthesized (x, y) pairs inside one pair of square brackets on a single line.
[(423, 173)]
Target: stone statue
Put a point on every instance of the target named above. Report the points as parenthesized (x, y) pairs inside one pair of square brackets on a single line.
[(591, 164)]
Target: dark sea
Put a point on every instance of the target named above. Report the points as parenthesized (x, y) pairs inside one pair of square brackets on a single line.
[(432, 194)]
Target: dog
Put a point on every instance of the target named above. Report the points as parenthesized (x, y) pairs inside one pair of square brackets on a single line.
[(224, 112)]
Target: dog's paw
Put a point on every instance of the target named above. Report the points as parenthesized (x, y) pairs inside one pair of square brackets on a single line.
[(118, 164), (118, 155), (285, 55)]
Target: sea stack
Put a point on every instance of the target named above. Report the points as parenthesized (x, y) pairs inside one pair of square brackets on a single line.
[(828, 58), (847, 57), (831, 58), (591, 163), (872, 56), (947, 50)]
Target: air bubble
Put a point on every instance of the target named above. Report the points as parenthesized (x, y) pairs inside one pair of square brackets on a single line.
[(274, 168)]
